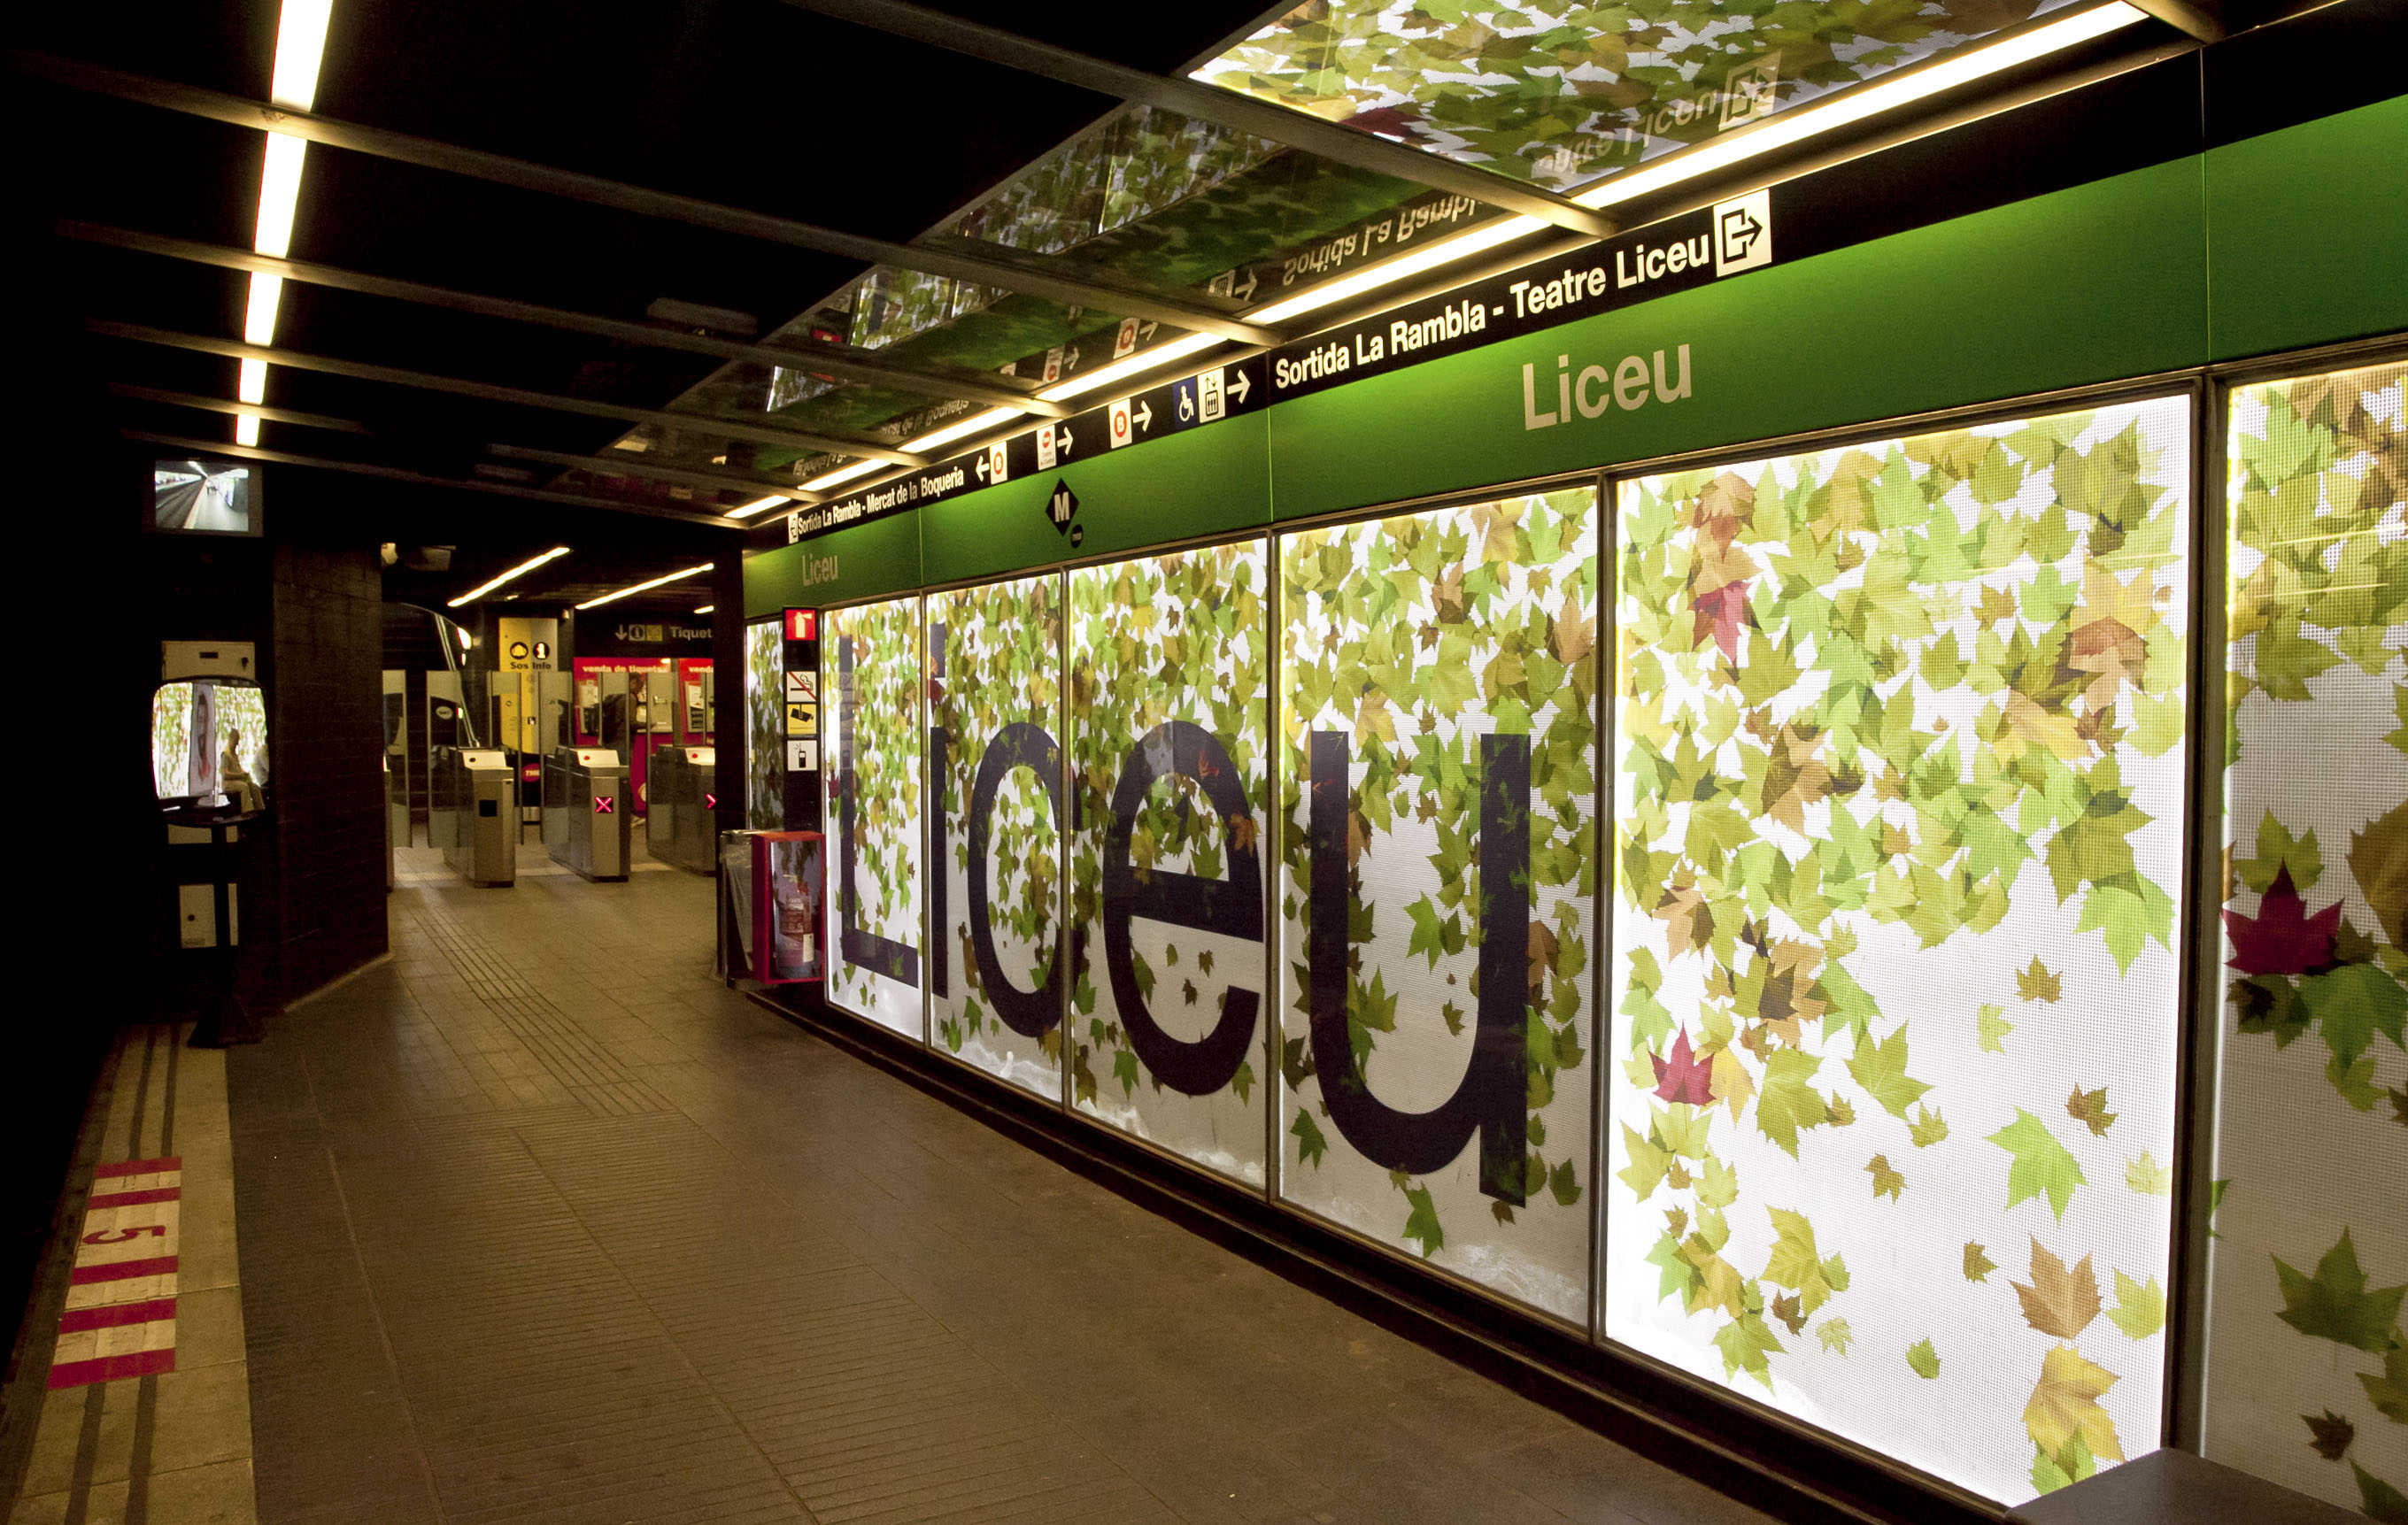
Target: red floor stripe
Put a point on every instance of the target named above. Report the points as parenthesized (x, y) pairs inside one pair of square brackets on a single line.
[(78, 1374), (140, 1167), (85, 1275), (116, 1315), (133, 1199)]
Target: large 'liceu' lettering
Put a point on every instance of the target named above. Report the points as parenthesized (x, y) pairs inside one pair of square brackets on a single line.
[(1021, 744), (862, 948), (1488, 1101), (1233, 907), (1490, 1097)]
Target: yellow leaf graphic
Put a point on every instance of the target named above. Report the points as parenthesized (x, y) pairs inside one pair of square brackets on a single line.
[(2065, 1404), (1730, 1082)]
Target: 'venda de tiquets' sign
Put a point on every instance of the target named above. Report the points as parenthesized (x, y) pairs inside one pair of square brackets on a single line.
[(1681, 252)]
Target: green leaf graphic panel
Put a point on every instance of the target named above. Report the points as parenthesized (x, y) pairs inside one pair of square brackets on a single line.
[(1169, 714), (995, 716), (2306, 1357), (765, 725), (1898, 846), (1438, 776), (870, 671)]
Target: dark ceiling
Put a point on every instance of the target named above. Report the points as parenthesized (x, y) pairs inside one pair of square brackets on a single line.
[(750, 104), (772, 109)]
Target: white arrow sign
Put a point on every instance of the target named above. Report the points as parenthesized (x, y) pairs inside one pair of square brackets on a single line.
[(1242, 292), (1239, 387), (1062, 439), (980, 468), (1145, 416)]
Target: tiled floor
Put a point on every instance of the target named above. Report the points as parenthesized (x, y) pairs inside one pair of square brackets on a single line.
[(541, 1223)]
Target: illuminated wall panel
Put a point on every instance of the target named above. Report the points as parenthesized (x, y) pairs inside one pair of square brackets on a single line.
[(1169, 689), (1438, 756), (1898, 804), (765, 725), (995, 717), (873, 808), (2308, 1360)]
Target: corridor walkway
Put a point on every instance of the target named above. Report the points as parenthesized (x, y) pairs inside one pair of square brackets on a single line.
[(541, 1223)]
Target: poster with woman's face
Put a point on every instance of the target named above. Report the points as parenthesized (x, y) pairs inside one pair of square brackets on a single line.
[(201, 752)]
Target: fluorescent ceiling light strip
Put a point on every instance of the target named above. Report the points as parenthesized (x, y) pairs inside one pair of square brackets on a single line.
[(259, 312), (245, 429), (251, 387), (972, 426), (1160, 355), (519, 571), (706, 608), (657, 582), (842, 474), (279, 193), (1864, 101), (1462, 245), (300, 47), (757, 504)]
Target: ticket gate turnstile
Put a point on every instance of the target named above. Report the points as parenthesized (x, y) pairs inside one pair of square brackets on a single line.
[(680, 825), (472, 813), (586, 812)]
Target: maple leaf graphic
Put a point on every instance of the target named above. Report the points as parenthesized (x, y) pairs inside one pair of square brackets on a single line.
[(2329, 1435), (1680, 1076), (2089, 1107), (1721, 612), (2059, 1299), (2281, 939)]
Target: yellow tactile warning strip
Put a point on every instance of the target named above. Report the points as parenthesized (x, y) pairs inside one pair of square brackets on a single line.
[(146, 1420)]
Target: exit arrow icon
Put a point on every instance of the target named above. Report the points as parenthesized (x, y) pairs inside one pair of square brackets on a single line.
[(1062, 439), (1238, 386), (1143, 415), (980, 468), (1739, 232), (1145, 332), (1243, 292)]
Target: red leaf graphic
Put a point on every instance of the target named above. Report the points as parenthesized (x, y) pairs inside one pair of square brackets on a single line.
[(1722, 611), (1682, 1077), (2283, 939)]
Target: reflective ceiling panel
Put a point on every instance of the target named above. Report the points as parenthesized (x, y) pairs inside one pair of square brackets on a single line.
[(1564, 95)]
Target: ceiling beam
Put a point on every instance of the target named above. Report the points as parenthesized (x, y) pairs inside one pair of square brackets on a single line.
[(618, 466), (252, 410), (1211, 102), (418, 478), (2193, 20), (476, 163), (867, 367), (490, 392), (634, 465)]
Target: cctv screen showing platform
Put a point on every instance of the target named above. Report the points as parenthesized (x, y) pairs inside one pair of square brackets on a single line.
[(203, 497)]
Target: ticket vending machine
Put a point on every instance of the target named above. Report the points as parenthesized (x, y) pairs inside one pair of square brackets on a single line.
[(472, 815), (585, 811)]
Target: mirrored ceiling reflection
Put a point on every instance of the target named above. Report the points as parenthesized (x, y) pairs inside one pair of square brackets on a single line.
[(1146, 200), (1189, 207), (1564, 95)]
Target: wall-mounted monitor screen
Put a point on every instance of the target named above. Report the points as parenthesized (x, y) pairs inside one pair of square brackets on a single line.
[(204, 497)]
